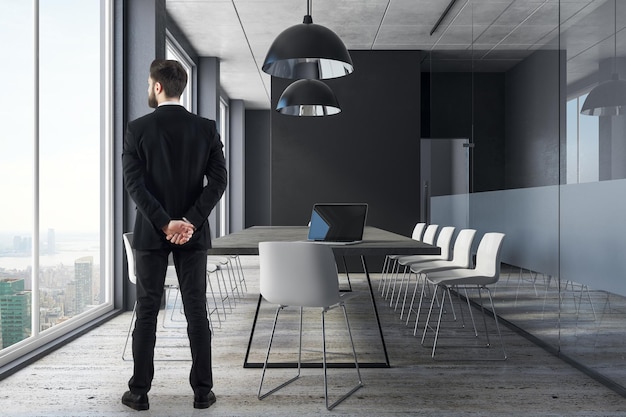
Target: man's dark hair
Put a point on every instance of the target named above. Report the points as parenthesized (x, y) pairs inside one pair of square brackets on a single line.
[(170, 74)]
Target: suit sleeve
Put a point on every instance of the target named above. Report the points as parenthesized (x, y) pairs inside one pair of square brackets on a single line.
[(217, 179), (134, 179)]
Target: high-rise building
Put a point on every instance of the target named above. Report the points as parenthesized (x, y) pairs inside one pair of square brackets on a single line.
[(22, 245), (83, 276), (15, 311)]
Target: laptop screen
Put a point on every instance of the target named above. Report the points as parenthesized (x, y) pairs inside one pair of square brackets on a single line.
[(338, 222)]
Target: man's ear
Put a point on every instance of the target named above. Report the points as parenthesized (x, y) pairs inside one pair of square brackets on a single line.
[(158, 87)]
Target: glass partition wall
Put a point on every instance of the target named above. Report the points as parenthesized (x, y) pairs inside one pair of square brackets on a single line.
[(539, 168)]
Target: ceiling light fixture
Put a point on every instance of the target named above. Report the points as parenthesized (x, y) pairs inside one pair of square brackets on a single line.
[(308, 50), (609, 97), (308, 98)]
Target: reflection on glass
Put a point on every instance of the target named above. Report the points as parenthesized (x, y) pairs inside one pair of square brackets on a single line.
[(571, 148), (583, 144), (588, 146)]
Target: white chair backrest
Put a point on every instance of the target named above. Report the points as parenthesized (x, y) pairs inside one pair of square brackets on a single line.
[(462, 252), (444, 241), (298, 274), (130, 257), (429, 234), (418, 230), (488, 255)]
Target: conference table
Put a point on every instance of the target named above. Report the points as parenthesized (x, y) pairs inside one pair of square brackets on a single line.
[(376, 242)]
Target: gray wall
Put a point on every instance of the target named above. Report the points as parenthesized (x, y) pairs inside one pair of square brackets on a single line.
[(237, 165), (145, 41), (257, 170), (367, 153)]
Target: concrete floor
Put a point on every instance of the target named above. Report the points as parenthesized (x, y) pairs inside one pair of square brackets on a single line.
[(88, 376)]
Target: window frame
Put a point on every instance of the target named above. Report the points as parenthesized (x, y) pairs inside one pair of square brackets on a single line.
[(38, 339), (173, 50)]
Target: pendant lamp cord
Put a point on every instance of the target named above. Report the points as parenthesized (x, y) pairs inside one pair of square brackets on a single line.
[(308, 7), (615, 39)]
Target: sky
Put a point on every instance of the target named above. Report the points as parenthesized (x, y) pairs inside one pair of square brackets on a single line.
[(69, 151)]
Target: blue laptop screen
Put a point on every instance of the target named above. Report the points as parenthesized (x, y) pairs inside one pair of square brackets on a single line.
[(337, 222)]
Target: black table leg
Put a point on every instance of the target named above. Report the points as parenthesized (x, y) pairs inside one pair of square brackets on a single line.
[(380, 329), (256, 316)]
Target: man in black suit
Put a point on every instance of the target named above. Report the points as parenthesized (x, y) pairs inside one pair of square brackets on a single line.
[(174, 170)]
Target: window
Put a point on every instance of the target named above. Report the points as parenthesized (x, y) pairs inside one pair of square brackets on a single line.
[(223, 205), (175, 52), (55, 221), (582, 144)]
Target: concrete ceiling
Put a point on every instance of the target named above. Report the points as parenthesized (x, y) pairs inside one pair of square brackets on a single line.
[(480, 35)]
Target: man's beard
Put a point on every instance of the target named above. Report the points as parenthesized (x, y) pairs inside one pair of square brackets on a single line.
[(152, 101)]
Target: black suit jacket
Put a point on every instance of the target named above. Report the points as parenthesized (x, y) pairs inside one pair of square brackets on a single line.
[(174, 167)]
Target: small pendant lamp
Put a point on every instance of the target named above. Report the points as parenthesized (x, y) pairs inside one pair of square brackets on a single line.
[(308, 98)]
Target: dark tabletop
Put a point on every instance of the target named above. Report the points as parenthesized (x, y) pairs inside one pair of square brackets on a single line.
[(375, 242)]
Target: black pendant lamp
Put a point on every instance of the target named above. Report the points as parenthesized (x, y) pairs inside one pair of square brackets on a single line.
[(308, 50), (609, 97), (308, 97)]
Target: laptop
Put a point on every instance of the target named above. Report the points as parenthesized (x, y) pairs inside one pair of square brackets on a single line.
[(337, 223)]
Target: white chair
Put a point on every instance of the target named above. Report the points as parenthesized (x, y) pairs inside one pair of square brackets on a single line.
[(302, 274), (444, 242), (390, 260), (461, 258), (171, 282), (486, 272), (430, 233), (429, 237), (223, 263), (236, 260)]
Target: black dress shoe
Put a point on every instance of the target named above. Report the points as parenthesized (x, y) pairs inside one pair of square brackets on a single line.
[(136, 401), (204, 401)]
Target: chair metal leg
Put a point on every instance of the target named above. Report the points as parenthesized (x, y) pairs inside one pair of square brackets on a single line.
[(430, 310), (219, 288), (400, 287), (240, 273), (495, 317), (269, 347), (384, 270), (443, 301), (356, 363), (419, 305), (396, 272), (389, 279), (216, 310), (406, 290), (168, 291), (234, 289), (130, 328), (345, 268), (226, 297), (438, 327)]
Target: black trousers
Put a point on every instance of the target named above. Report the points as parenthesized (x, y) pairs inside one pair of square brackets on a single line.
[(151, 267)]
